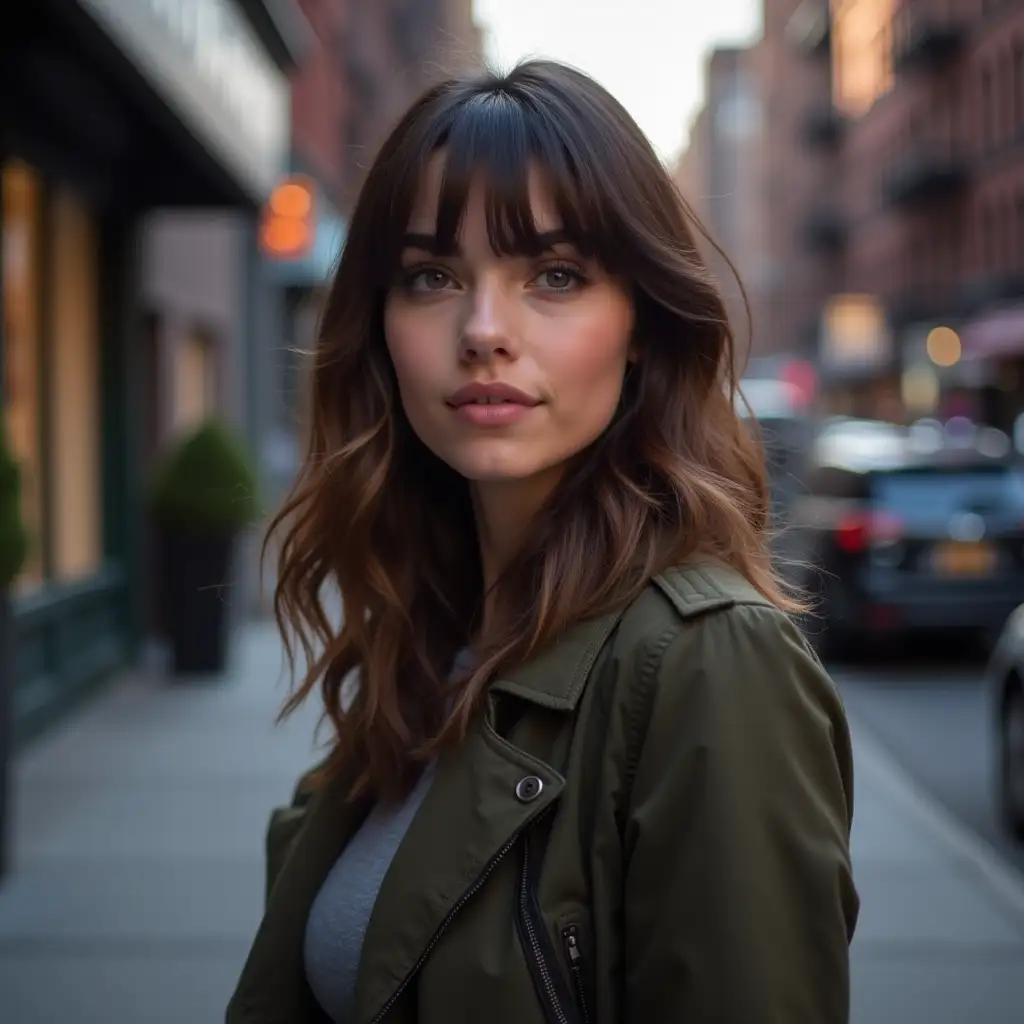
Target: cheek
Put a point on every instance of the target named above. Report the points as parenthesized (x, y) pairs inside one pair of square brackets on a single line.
[(413, 356), (587, 368)]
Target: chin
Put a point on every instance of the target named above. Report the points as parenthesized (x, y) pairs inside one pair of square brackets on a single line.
[(496, 464), (483, 472)]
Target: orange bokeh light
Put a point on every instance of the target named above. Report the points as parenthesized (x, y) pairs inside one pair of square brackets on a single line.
[(286, 228), (292, 199)]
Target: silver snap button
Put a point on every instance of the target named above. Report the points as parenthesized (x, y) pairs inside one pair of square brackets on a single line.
[(529, 788)]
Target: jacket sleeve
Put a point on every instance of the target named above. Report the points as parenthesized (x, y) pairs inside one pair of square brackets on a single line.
[(739, 900)]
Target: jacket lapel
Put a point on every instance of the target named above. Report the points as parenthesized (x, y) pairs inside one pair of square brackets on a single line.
[(471, 817), (468, 821)]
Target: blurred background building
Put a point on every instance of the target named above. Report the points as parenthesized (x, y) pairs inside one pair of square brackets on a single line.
[(884, 144), (175, 183)]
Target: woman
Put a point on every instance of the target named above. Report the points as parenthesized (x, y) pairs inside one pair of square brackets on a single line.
[(584, 767)]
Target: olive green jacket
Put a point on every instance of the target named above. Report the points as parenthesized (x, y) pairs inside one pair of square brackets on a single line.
[(649, 824)]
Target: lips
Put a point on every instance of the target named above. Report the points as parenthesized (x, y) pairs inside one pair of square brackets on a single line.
[(496, 393)]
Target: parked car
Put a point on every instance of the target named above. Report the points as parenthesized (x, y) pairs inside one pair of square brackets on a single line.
[(1006, 686), (903, 538)]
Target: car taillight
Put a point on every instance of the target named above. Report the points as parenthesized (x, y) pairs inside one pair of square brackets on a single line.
[(855, 532)]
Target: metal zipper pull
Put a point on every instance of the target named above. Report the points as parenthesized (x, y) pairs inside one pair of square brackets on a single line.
[(571, 938)]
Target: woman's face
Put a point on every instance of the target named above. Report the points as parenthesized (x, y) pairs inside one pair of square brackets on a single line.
[(507, 366)]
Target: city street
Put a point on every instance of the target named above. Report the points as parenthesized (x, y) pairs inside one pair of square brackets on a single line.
[(139, 860), (933, 718)]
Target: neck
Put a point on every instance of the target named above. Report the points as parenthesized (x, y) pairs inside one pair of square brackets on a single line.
[(504, 511)]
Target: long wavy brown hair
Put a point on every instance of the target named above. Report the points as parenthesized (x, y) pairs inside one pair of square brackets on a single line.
[(375, 514)]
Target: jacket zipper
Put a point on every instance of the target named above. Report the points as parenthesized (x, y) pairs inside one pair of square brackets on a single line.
[(486, 873), (556, 1011), (571, 938)]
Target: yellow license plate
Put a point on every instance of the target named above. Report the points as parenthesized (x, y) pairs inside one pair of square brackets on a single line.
[(964, 559)]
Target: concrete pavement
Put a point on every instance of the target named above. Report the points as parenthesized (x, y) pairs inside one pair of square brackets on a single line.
[(138, 874), (138, 870), (941, 934)]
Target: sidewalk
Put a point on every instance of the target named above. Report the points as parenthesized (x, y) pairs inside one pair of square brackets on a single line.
[(139, 867), (138, 876), (941, 933)]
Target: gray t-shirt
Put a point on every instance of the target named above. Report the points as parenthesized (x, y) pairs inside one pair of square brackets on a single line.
[(341, 911)]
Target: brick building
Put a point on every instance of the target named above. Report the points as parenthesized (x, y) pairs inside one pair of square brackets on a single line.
[(889, 200), (932, 185), (798, 168), (760, 180), (391, 51), (718, 175)]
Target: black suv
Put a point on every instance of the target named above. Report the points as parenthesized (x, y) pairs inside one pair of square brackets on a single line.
[(900, 539)]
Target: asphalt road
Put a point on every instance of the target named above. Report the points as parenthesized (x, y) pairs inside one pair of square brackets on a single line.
[(932, 717)]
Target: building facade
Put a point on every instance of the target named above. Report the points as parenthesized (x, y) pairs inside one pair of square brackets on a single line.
[(760, 169), (888, 199), (392, 50), (137, 143), (799, 167), (718, 175), (932, 95)]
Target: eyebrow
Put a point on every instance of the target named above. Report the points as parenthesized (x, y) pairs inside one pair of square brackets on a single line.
[(546, 240)]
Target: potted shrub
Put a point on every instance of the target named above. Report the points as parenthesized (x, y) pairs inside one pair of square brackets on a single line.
[(203, 496), (13, 548)]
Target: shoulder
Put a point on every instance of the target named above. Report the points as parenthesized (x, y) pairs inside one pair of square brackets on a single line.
[(702, 644), (696, 597)]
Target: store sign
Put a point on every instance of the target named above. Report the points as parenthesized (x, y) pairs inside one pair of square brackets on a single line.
[(207, 61)]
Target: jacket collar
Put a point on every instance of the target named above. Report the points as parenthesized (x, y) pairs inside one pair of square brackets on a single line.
[(555, 677)]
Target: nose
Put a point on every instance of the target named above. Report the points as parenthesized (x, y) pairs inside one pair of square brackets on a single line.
[(487, 333)]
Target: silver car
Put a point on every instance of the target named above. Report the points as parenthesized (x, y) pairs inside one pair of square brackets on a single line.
[(1006, 685)]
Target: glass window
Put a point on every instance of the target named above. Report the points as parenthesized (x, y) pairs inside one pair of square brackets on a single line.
[(931, 498), (22, 348), (195, 380), (75, 393)]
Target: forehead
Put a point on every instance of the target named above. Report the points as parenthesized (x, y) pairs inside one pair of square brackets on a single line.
[(430, 188)]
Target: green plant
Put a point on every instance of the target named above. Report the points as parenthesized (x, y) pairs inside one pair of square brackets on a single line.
[(13, 538), (205, 483)]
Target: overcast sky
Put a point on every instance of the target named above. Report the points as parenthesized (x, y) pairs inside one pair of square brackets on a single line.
[(649, 53)]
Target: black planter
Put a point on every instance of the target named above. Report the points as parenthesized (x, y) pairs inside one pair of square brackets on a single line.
[(194, 587), (6, 724)]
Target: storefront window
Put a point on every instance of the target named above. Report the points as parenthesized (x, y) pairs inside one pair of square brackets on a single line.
[(75, 395), (22, 349), (195, 381)]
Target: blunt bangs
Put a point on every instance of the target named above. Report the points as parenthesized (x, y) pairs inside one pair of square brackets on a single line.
[(498, 135)]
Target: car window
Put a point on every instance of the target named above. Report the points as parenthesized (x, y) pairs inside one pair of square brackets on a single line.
[(931, 498)]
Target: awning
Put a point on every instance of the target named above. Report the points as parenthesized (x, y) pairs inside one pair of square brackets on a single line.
[(999, 333)]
